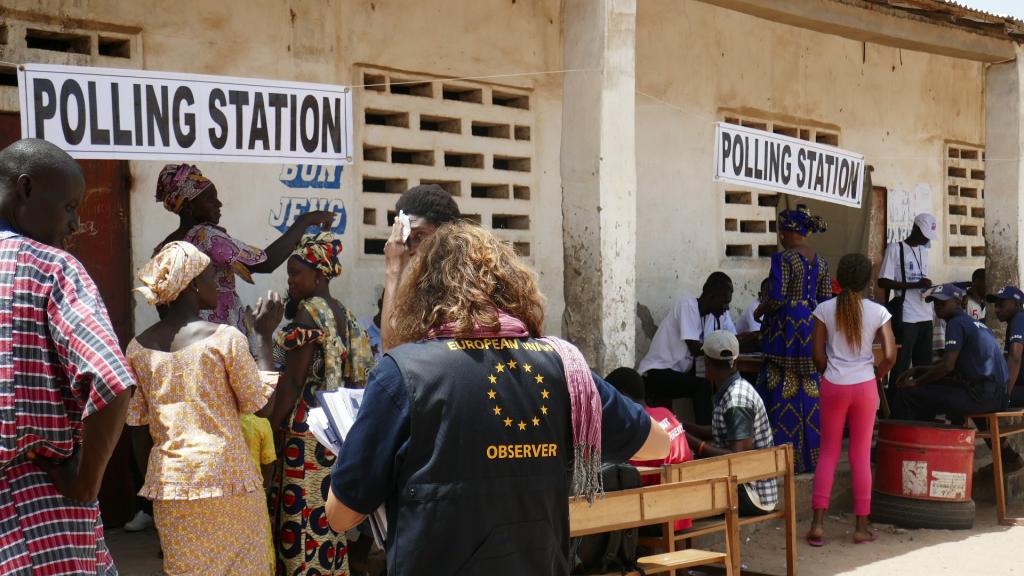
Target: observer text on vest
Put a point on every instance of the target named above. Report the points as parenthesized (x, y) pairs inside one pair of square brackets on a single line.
[(506, 451)]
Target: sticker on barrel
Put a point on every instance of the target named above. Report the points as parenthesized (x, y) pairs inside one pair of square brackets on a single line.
[(948, 485), (915, 478)]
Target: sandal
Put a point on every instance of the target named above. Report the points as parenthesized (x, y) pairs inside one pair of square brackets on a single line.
[(815, 541), (874, 536)]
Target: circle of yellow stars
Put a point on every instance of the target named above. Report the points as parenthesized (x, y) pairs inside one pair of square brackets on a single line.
[(492, 394)]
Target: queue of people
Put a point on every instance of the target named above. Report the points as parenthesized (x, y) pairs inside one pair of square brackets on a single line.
[(212, 396), (816, 341), (488, 441)]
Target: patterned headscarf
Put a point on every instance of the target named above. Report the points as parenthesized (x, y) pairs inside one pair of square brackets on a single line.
[(169, 272), (801, 221), (321, 251), (178, 183)]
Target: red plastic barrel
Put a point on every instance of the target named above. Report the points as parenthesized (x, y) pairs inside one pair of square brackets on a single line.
[(924, 461)]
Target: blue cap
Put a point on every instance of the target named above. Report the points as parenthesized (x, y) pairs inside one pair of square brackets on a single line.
[(1006, 293), (946, 292)]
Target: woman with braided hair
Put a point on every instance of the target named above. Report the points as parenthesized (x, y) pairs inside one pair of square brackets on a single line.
[(844, 330), (788, 383)]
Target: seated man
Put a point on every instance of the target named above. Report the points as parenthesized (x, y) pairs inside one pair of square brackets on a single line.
[(630, 384), (740, 422), (1008, 306), (970, 378), (673, 367), (748, 329)]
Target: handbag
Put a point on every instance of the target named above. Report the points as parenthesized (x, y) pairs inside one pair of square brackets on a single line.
[(895, 306)]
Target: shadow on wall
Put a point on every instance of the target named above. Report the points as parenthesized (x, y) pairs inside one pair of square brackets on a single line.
[(645, 330)]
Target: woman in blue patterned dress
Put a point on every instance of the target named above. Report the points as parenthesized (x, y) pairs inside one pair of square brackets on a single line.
[(788, 382)]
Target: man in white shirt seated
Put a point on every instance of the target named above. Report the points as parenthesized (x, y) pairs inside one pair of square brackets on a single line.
[(748, 329), (673, 367)]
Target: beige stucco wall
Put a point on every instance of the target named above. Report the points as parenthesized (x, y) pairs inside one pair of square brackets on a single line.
[(323, 41), (897, 107)]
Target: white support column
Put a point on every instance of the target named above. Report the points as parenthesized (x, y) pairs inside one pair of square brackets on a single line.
[(599, 180), (1004, 173)]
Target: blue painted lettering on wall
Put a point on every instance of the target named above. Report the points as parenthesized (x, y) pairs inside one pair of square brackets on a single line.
[(293, 206), (311, 176)]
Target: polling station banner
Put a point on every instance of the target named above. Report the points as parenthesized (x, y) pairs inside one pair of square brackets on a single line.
[(768, 161), (145, 115)]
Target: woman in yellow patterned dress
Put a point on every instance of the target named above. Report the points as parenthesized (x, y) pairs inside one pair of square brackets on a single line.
[(194, 379), (323, 348)]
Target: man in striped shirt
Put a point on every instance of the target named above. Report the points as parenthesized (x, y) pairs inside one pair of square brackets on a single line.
[(64, 385)]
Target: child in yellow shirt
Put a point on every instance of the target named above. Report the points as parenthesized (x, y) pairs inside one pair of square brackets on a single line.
[(260, 440)]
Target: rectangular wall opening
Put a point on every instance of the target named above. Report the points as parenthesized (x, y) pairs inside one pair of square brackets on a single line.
[(521, 192), (522, 248), (957, 210), (384, 185), (114, 47), (968, 154), (977, 212), (958, 251), (955, 172), (731, 225), (968, 230), (453, 187), (738, 198), (375, 82), (420, 157), (977, 174), (767, 250), (57, 41), (510, 222), (411, 88), (489, 130), (463, 93), (441, 124), (768, 200), (512, 163), (968, 192), (374, 245), (739, 250), (375, 153), (510, 100), (523, 133), (495, 191), (463, 160), (370, 216), (978, 251), (753, 226), (387, 118), (827, 138), (8, 76)]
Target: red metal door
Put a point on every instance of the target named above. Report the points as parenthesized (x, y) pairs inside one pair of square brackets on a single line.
[(103, 245)]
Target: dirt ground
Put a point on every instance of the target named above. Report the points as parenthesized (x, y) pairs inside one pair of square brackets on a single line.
[(988, 549)]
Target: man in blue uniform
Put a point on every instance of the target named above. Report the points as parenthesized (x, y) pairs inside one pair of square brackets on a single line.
[(970, 378)]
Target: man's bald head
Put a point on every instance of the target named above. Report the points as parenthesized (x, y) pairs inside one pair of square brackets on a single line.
[(40, 190)]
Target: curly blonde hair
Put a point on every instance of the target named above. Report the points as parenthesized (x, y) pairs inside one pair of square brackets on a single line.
[(464, 274)]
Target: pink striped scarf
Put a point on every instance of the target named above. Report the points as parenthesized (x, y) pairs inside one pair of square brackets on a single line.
[(584, 398)]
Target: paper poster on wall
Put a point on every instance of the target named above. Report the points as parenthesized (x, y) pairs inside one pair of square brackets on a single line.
[(768, 161), (902, 206), (108, 113)]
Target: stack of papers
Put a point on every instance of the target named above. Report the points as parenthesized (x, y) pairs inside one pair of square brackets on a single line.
[(330, 424)]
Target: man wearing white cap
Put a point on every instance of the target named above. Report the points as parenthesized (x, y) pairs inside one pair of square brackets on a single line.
[(905, 272), (739, 421)]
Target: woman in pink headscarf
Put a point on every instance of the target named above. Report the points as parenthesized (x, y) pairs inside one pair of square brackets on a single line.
[(193, 197)]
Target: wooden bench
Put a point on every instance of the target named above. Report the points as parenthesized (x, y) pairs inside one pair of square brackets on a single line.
[(764, 464), (665, 503), (996, 434)]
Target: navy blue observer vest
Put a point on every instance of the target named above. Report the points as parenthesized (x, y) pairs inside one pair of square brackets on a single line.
[(483, 488)]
